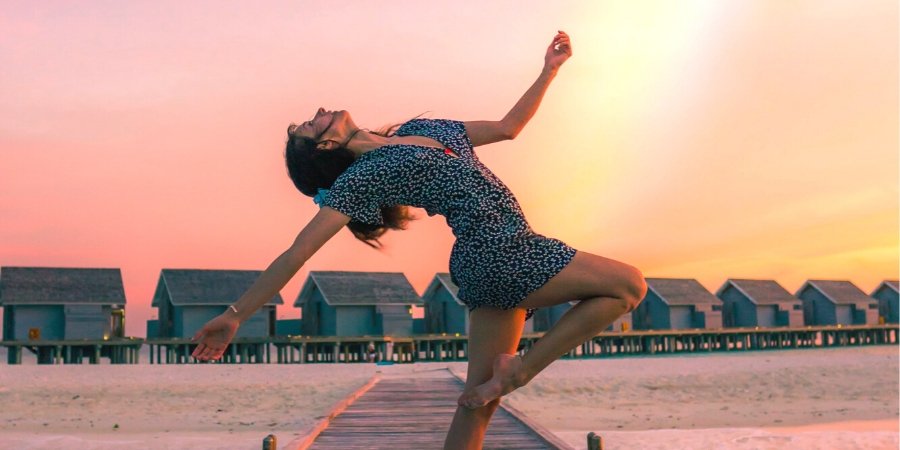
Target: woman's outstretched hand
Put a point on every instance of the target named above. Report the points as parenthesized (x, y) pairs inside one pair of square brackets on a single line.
[(559, 51), (214, 337)]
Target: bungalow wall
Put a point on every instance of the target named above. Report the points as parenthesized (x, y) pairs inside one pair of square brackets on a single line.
[(322, 319), (166, 326), (737, 310), (152, 329), (545, 318), (621, 324), (654, 314), (394, 320), (707, 316), (681, 317), (189, 319), (49, 319), (319, 319), (289, 327), (87, 321), (868, 316), (444, 315), (651, 314), (356, 320), (818, 310), (767, 315), (327, 319), (888, 304)]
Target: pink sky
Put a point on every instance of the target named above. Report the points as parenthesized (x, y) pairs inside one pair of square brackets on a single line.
[(707, 140)]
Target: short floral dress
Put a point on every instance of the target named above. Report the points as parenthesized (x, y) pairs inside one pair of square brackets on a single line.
[(497, 259)]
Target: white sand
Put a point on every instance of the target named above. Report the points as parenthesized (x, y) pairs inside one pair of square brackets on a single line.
[(724, 401), (840, 398), (158, 407)]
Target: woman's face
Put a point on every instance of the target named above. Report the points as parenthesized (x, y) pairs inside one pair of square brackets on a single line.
[(329, 128)]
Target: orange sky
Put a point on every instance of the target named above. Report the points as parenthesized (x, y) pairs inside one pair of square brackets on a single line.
[(708, 140)]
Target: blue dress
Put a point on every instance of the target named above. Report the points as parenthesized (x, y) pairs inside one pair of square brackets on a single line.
[(497, 259)]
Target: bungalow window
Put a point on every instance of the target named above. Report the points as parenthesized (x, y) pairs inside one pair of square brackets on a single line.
[(798, 307), (873, 305), (716, 307)]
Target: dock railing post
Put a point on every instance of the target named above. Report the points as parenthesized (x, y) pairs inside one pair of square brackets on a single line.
[(594, 441), (269, 443)]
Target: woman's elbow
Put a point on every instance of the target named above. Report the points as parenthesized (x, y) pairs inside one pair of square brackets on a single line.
[(510, 133), (295, 257)]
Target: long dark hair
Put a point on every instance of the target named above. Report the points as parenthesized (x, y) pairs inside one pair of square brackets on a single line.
[(311, 169)]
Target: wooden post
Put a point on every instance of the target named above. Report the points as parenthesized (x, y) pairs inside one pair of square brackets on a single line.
[(594, 441), (14, 355), (269, 443)]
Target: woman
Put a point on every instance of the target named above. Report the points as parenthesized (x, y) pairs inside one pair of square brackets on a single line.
[(504, 270)]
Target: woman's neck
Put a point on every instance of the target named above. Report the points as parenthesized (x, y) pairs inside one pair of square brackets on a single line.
[(364, 141)]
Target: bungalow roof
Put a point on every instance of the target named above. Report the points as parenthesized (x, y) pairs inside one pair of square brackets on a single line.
[(837, 291), (887, 284), (681, 291), (359, 288), (441, 280), (57, 285), (206, 287), (761, 292)]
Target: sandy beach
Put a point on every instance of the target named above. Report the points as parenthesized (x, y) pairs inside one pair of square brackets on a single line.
[(840, 398)]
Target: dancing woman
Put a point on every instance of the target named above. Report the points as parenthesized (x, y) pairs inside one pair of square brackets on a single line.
[(504, 270)]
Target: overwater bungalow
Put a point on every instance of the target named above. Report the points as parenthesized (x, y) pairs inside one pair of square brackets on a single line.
[(677, 304), (623, 323), (759, 303), (48, 303), (188, 298), (445, 313), (888, 301), (545, 318), (357, 304), (832, 302)]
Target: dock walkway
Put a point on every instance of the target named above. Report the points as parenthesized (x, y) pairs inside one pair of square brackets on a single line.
[(415, 413)]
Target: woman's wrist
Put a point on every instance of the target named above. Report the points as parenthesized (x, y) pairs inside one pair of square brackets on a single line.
[(233, 314), (549, 72)]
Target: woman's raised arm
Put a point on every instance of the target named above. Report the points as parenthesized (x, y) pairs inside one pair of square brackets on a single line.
[(483, 132), (218, 332)]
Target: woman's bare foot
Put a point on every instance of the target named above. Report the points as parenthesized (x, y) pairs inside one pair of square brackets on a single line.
[(507, 377)]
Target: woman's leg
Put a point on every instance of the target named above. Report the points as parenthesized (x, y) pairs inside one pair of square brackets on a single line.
[(607, 290), (492, 332)]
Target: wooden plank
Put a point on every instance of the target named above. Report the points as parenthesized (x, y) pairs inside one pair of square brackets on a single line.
[(415, 413), (305, 440)]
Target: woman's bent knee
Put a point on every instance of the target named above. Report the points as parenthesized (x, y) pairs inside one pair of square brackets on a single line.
[(634, 289)]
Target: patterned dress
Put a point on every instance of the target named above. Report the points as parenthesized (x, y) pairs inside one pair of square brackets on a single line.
[(497, 259)]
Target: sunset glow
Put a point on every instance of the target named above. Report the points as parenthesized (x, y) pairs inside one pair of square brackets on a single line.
[(706, 140)]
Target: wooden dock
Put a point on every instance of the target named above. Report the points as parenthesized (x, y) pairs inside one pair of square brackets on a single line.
[(433, 347), (415, 413)]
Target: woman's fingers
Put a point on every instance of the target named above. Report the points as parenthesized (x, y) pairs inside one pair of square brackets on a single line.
[(199, 333), (197, 351), (207, 354)]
